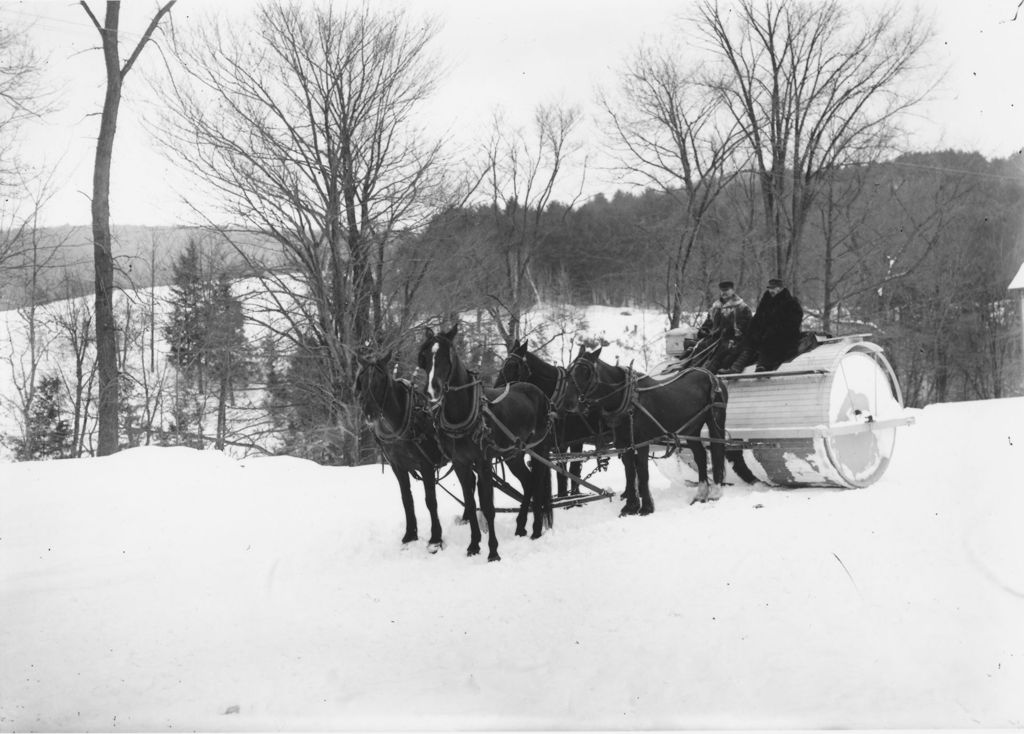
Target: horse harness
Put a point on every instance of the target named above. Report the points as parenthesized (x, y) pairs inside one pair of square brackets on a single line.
[(387, 435), (561, 382), (629, 404), (475, 426)]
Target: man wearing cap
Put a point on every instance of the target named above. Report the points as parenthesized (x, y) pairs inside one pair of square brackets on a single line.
[(774, 333), (723, 329)]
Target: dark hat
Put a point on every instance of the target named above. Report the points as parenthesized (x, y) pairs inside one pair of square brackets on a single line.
[(725, 284), (775, 283)]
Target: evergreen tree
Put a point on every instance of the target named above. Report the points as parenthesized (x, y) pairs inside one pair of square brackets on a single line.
[(48, 433), (206, 338), (185, 330)]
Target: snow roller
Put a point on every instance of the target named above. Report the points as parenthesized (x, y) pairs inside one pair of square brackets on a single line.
[(828, 418)]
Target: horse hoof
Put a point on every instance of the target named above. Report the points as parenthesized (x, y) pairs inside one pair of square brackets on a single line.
[(435, 546), (629, 510), (520, 532), (473, 551), (536, 534), (409, 537), (493, 557), (647, 510)]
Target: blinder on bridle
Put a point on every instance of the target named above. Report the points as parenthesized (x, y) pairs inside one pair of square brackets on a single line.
[(366, 394), (522, 369), (584, 385)]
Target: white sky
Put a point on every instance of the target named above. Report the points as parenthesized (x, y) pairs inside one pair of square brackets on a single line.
[(513, 55)]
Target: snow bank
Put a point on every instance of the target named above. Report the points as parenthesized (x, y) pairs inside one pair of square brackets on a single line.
[(174, 589)]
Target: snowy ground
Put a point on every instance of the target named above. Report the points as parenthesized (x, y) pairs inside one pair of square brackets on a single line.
[(168, 589)]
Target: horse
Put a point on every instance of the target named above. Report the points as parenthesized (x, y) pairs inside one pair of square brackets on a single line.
[(402, 426), (571, 430), (477, 425), (640, 410)]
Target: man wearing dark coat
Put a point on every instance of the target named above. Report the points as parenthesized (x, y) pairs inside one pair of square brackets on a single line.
[(722, 331), (774, 333)]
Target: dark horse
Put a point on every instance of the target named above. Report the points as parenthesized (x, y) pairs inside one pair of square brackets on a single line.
[(571, 430), (402, 425), (477, 425), (640, 410)]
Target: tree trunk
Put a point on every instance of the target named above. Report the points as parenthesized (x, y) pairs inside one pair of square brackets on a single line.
[(106, 329), (222, 412)]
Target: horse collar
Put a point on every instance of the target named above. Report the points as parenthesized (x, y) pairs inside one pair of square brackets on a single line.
[(385, 434), (503, 395), (561, 385), (628, 392)]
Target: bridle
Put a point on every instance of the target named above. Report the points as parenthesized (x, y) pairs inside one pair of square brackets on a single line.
[(376, 412), (463, 427), (522, 366), (524, 372), (586, 397)]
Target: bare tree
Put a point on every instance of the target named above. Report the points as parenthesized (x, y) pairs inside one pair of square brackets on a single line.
[(71, 322), (22, 96), (28, 340), (23, 189), (672, 132), (811, 90), (106, 327), (523, 170), (303, 129)]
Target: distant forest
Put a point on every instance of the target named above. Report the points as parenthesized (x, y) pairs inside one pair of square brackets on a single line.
[(918, 251)]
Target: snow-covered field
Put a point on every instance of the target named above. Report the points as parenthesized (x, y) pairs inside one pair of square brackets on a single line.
[(169, 589)]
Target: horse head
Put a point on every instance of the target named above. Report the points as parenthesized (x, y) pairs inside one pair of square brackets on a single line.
[(372, 385), (515, 368), (583, 379), (439, 361)]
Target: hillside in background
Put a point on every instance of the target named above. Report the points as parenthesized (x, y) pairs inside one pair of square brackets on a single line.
[(144, 256)]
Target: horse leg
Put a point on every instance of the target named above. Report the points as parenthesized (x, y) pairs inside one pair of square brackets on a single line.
[(718, 464), (485, 486), (716, 431), (632, 506), (541, 498), (700, 458), (430, 494), (517, 465), (563, 482), (642, 479), (467, 478), (407, 504), (576, 468)]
